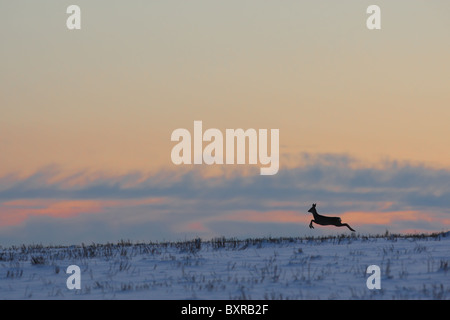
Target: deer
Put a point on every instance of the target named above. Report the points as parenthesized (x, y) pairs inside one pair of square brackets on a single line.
[(324, 220)]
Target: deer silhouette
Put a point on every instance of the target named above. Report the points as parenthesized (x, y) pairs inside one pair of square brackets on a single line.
[(326, 221)]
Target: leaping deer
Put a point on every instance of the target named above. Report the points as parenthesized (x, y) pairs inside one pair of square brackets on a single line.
[(326, 221)]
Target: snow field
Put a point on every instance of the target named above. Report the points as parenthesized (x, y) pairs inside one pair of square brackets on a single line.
[(412, 267)]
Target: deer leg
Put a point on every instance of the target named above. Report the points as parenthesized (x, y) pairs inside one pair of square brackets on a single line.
[(346, 225), (311, 225)]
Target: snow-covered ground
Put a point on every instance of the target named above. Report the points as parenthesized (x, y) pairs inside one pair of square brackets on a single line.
[(411, 267)]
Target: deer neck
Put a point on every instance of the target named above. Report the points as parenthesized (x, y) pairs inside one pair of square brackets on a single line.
[(315, 214)]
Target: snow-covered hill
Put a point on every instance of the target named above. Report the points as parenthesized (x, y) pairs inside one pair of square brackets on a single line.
[(412, 267)]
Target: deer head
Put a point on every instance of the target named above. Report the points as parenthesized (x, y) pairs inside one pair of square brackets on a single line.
[(313, 208)]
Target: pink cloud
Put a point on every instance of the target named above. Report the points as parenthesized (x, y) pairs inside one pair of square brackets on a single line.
[(275, 216), (17, 211), (386, 218)]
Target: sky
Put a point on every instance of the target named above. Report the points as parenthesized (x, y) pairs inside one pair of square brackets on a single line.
[(86, 118)]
